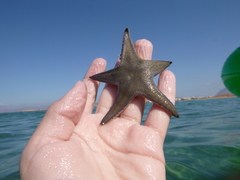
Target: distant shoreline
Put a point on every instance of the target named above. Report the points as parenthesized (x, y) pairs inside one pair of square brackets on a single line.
[(206, 97), (33, 110)]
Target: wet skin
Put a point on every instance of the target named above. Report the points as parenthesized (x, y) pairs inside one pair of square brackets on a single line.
[(134, 76)]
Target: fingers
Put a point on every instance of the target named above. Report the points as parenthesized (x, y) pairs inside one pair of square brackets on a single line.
[(106, 99), (157, 118), (144, 48), (135, 109), (97, 66)]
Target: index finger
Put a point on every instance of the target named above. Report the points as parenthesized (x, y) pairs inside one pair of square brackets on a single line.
[(97, 66)]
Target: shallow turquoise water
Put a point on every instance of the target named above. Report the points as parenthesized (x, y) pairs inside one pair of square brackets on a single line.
[(203, 144)]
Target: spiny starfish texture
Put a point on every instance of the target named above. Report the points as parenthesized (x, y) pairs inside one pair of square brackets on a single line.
[(134, 76)]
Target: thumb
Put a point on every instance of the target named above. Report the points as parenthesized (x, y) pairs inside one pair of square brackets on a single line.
[(61, 117)]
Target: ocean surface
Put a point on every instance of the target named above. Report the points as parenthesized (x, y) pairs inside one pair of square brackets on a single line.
[(204, 143)]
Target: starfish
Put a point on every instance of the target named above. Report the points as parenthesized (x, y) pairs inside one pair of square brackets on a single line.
[(134, 76)]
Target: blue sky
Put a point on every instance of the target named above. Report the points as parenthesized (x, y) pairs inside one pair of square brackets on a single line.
[(46, 46)]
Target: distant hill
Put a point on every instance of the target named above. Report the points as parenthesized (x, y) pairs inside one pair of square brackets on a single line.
[(223, 91)]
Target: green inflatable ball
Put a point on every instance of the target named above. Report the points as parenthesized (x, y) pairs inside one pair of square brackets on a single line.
[(231, 72)]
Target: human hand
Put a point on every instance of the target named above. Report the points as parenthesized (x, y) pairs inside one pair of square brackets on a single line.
[(69, 143)]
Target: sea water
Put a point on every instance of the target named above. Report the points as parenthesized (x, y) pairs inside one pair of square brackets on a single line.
[(204, 143)]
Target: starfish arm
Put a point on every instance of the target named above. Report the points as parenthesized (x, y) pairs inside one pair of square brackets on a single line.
[(107, 76), (128, 51), (120, 103), (156, 66), (157, 97)]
